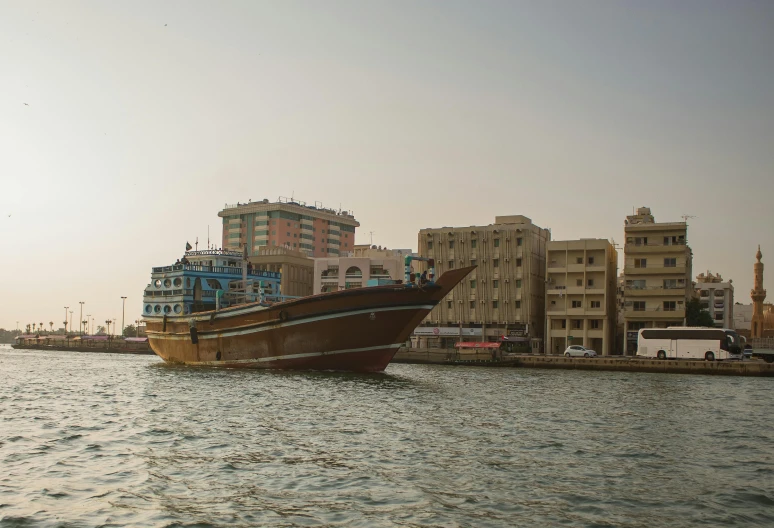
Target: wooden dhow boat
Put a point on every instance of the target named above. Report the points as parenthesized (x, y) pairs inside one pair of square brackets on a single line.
[(357, 329)]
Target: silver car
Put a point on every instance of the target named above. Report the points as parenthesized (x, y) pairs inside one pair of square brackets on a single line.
[(579, 351)]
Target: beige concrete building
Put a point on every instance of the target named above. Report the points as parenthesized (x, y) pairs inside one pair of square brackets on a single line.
[(313, 230), (504, 295), (717, 297), (296, 268), (364, 263), (581, 291), (657, 270)]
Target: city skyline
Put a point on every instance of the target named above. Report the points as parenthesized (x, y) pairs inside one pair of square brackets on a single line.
[(127, 127)]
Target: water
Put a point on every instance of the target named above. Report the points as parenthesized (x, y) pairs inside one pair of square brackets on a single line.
[(106, 440)]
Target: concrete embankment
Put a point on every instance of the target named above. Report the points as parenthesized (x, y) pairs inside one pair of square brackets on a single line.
[(95, 350), (620, 364)]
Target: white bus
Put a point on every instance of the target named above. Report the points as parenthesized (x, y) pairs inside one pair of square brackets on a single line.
[(682, 342)]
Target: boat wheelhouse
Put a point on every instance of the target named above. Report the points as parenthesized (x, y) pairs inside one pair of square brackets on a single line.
[(206, 280)]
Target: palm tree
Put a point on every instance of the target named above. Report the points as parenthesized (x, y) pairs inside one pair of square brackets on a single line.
[(33, 328), (51, 324)]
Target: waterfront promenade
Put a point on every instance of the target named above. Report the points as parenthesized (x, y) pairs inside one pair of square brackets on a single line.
[(439, 356)]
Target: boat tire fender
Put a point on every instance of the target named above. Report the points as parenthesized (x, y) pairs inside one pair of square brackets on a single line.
[(194, 332), (283, 315), (164, 323)]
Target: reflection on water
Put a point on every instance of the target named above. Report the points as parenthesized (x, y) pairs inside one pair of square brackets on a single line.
[(129, 441)]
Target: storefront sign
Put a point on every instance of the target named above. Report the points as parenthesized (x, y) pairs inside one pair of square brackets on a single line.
[(446, 331)]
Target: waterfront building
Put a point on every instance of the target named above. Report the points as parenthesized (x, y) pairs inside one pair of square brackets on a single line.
[(295, 268), (717, 297), (503, 296), (657, 271), (581, 306), (366, 265), (758, 295), (313, 230)]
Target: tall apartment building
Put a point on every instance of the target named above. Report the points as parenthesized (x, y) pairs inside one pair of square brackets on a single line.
[(717, 297), (581, 293), (657, 269), (504, 295), (354, 270), (312, 230)]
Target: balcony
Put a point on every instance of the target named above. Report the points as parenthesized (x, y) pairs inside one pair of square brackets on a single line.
[(330, 278), (654, 291), (654, 248), (659, 314), (655, 270)]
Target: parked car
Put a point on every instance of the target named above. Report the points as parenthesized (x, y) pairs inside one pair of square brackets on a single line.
[(577, 350)]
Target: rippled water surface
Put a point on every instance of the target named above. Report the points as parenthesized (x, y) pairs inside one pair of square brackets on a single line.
[(109, 440)]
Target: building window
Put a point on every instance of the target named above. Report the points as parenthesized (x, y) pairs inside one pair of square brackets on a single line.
[(596, 304), (591, 283), (719, 316), (288, 233), (670, 284), (640, 263), (564, 323), (518, 241), (595, 324), (451, 264), (518, 304), (273, 233), (670, 306), (518, 263), (704, 306), (495, 263), (638, 306), (576, 304), (473, 285), (472, 262), (670, 262), (429, 244), (449, 304), (518, 283), (473, 244), (494, 304), (451, 244), (472, 305), (288, 224), (495, 284), (577, 324), (496, 242), (579, 282), (705, 293), (579, 260), (591, 261)]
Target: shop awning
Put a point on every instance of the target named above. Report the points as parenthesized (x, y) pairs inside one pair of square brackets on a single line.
[(475, 344)]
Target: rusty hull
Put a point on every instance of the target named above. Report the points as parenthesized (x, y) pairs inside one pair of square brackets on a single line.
[(359, 329)]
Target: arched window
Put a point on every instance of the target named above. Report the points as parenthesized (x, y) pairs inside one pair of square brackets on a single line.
[(354, 271)]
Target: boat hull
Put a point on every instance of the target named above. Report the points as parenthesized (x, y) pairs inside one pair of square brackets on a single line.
[(355, 330)]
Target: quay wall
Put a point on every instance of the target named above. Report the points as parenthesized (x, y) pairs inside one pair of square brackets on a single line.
[(620, 364), (95, 350)]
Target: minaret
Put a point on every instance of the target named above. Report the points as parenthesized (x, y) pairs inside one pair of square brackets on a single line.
[(758, 294)]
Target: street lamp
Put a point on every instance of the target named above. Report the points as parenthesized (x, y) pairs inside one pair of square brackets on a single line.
[(88, 332), (123, 312), (81, 319), (65, 322), (71, 321), (107, 322)]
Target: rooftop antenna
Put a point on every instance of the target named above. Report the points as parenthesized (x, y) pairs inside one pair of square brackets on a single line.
[(685, 217), (372, 237), (208, 236), (197, 243)]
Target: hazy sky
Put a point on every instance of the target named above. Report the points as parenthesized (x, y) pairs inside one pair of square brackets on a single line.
[(142, 119)]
